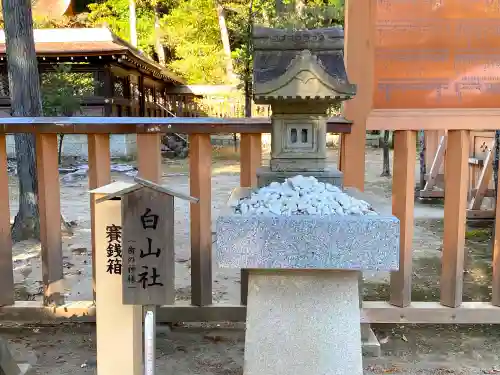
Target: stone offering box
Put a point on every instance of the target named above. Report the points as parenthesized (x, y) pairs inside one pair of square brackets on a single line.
[(333, 242)]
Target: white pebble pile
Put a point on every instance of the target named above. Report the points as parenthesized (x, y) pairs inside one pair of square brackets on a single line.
[(301, 195)]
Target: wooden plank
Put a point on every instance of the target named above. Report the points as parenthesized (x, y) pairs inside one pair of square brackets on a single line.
[(372, 312), (49, 201), (488, 193), (430, 313), (431, 194), (149, 156), (200, 180), (436, 165), (405, 154), (480, 214), (118, 323), (434, 119), (165, 190), (6, 272), (149, 125), (455, 204), (148, 276), (483, 182), (99, 175)]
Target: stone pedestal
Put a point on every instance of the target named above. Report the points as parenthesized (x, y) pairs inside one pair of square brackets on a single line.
[(330, 175), (303, 310), (302, 323)]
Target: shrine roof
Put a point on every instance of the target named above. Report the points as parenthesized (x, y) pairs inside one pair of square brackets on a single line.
[(81, 44), (116, 190)]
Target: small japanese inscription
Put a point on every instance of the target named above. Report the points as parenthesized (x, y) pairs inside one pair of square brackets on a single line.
[(148, 245), (114, 250)]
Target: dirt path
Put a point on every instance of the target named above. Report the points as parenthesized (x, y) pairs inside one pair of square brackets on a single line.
[(407, 350)]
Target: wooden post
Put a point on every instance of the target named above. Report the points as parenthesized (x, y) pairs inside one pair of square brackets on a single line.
[(49, 201), (455, 205), (359, 61), (108, 90), (495, 282), (149, 156), (6, 272), (142, 96), (119, 326), (403, 196), (250, 160), (200, 175), (99, 175)]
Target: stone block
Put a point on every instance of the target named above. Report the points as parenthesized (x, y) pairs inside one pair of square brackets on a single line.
[(303, 322), (363, 243)]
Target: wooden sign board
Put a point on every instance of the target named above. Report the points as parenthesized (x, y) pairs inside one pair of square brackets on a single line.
[(148, 247), (437, 54), (119, 326)]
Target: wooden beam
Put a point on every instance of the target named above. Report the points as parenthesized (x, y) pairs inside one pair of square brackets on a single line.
[(149, 156), (359, 51), (434, 119), (49, 202), (431, 193), (436, 165), (372, 312), (200, 180), (403, 197), (495, 282), (455, 204), (483, 182), (480, 214), (250, 159)]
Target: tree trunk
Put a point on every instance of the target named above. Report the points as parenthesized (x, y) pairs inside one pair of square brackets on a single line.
[(248, 64), (421, 140), (24, 84), (132, 22), (224, 35), (386, 167), (59, 149), (160, 51)]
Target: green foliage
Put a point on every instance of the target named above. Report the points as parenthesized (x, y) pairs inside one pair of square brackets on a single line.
[(115, 15), (63, 90), (60, 22), (191, 30), (296, 14)]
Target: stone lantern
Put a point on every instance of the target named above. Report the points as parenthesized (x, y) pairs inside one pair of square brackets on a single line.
[(303, 306), (301, 74)]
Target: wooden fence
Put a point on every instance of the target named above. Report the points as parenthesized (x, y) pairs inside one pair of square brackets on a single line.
[(398, 309)]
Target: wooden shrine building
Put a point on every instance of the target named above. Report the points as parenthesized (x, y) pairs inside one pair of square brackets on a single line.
[(126, 81)]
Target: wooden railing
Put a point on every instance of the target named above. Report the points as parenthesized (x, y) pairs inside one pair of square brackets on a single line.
[(399, 308)]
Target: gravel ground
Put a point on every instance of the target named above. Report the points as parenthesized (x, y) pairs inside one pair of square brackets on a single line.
[(218, 350)]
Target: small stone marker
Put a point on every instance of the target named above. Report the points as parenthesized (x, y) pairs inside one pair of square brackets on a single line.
[(8, 366), (146, 258)]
